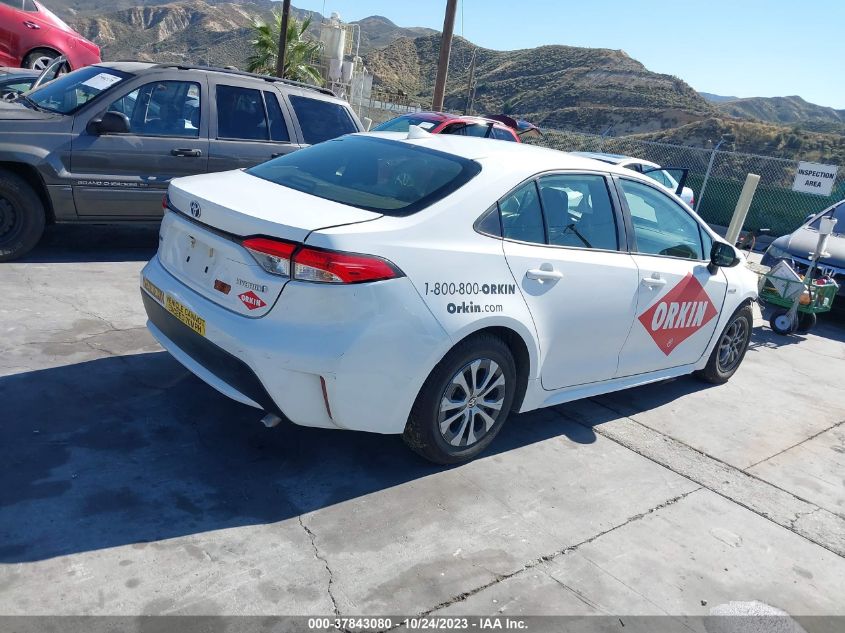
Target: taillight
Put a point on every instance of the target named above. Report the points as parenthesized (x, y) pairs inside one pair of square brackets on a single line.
[(165, 202), (340, 268), (272, 255), (321, 266)]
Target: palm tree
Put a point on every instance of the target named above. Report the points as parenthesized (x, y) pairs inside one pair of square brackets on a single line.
[(298, 51)]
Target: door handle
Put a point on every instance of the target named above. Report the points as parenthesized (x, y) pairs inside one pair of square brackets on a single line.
[(190, 153), (544, 274), (653, 282), (277, 154), (31, 25)]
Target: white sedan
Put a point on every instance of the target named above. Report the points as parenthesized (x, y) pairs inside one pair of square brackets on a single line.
[(430, 285)]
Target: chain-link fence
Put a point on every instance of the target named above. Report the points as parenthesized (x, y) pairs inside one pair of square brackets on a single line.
[(775, 206), (382, 106)]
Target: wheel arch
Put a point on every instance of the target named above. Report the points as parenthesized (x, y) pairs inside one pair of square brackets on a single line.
[(523, 359), (33, 179), (40, 48)]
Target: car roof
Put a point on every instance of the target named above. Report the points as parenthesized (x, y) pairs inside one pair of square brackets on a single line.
[(615, 159), (136, 67), (475, 148)]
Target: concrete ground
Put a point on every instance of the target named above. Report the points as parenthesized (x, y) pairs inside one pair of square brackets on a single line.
[(130, 487)]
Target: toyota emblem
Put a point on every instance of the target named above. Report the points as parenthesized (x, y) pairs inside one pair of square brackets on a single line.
[(195, 209)]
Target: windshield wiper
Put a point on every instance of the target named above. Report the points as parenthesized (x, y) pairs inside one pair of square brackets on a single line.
[(34, 105)]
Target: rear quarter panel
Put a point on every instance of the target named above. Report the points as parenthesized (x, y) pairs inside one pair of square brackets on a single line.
[(461, 276)]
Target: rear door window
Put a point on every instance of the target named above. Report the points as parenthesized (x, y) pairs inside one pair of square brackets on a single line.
[(522, 215), (578, 211), (278, 127), (321, 120), (241, 114)]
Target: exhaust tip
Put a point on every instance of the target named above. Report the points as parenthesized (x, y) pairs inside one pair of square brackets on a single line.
[(271, 420)]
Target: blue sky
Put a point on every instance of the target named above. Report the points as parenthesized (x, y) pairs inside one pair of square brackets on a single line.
[(747, 48)]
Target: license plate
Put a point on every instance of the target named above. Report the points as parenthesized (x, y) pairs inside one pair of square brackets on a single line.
[(186, 316), (153, 290)]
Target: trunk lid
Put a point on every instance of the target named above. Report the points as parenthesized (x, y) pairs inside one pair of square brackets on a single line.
[(200, 242)]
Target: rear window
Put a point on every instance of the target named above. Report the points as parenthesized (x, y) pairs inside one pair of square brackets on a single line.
[(402, 123), (321, 120), (374, 174)]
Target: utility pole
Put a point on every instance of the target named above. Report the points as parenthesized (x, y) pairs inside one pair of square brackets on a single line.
[(445, 50), (471, 88), (283, 39)]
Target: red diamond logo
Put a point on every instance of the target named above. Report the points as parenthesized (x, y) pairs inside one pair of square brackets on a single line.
[(679, 314), (251, 300)]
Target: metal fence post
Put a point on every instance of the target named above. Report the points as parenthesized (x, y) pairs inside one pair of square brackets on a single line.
[(700, 196)]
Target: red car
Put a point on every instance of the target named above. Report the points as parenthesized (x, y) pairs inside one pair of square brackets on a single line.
[(442, 123), (31, 36)]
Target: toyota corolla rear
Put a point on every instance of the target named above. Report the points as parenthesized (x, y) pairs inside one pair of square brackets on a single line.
[(238, 294)]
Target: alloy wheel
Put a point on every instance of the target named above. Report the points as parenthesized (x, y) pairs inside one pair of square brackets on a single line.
[(732, 344), (41, 62), (471, 403)]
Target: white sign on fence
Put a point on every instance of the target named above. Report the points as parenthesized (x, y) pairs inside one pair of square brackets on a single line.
[(815, 178)]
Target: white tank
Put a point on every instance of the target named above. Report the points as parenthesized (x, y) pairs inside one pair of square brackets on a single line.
[(333, 37)]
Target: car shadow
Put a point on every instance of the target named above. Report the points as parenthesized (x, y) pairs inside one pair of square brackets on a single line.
[(133, 449), (95, 243)]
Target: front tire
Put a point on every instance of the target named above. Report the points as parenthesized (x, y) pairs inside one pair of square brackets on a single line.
[(730, 349), (464, 401), (22, 217)]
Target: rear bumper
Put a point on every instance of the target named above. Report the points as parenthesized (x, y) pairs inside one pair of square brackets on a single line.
[(223, 369), (373, 345)]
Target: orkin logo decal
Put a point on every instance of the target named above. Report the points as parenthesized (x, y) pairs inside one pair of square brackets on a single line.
[(251, 300), (679, 314)]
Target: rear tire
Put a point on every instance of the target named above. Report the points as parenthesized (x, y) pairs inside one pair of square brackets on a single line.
[(730, 349), (22, 217), (464, 401), (39, 59)]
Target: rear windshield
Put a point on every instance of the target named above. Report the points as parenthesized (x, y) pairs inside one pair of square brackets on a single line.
[(402, 123), (375, 174)]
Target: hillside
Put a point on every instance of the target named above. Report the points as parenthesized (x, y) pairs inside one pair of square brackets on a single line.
[(587, 89), (716, 98), (757, 138), (197, 31), (189, 31), (786, 111)]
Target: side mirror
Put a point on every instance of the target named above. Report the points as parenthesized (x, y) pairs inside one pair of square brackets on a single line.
[(722, 255), (110, 123)]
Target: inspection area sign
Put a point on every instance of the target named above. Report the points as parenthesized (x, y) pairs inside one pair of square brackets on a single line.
[(815, 178)]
